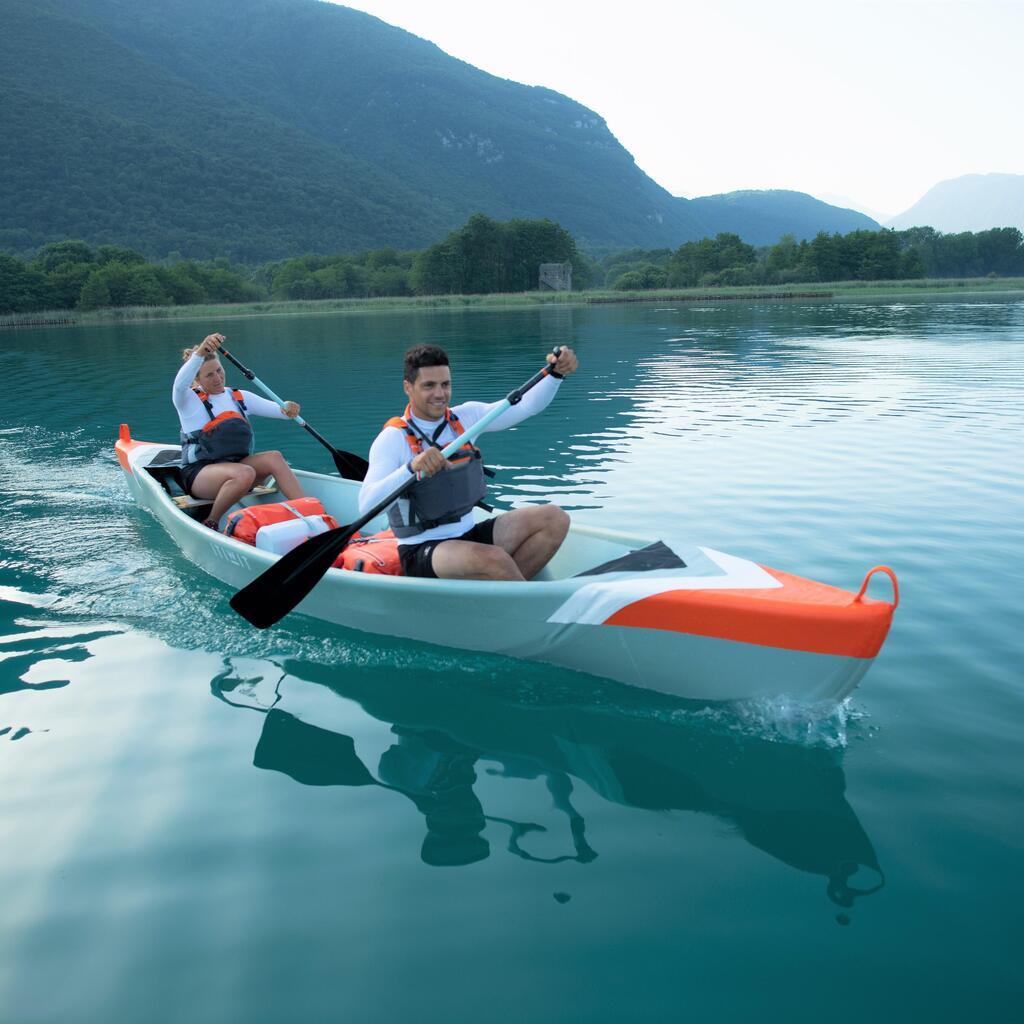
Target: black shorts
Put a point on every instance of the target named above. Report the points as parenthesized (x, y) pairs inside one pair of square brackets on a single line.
[(418, 559), (191, 471)]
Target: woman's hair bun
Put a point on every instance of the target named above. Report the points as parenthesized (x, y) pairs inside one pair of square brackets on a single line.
[(188, 353)]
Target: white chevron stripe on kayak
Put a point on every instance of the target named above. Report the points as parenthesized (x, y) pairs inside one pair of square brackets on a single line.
[(599, 601)]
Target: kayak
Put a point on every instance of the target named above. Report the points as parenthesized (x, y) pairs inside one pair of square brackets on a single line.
[(659, 614)]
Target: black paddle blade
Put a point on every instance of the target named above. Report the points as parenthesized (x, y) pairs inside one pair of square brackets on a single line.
[(274, 593), (350, 465)]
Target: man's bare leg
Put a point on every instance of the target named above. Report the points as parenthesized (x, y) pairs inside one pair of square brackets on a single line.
[(531, 535), (525, 540), (467, 560)]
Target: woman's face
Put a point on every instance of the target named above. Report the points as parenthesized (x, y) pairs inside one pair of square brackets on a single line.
[(211, 377)]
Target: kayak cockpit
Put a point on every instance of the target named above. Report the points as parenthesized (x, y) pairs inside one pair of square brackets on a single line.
[(165, 468), (585, 551)]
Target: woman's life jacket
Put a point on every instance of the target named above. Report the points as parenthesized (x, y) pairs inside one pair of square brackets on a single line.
[(227, 436), (444, 497)]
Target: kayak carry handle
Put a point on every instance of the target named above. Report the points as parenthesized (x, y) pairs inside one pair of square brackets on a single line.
[(124, 434), (864, 586)]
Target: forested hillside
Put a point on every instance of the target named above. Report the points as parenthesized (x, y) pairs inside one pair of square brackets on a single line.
[(261, 129)]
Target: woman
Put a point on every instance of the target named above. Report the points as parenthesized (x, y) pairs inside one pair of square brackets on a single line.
[(216, 439)]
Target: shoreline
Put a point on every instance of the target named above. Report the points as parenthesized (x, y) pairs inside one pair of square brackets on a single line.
[(835, 292)]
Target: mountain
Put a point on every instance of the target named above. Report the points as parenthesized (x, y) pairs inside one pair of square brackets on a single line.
[(974, 202), (258, 129), (762, 217), (846, 203)]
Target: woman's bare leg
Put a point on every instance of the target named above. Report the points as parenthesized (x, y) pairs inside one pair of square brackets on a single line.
[(225, 483), (273, 464)]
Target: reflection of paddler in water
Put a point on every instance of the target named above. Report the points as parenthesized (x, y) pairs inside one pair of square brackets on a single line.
[(435, 772), (786, 800)]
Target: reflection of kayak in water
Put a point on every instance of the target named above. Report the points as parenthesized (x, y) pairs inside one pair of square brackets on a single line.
[(786, 800), (674, 618)]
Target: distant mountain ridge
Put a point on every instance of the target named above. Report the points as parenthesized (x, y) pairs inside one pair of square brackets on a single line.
[(259, 129), (762, 217), (973, 202)]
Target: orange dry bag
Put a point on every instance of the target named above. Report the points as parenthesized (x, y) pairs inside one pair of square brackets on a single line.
[(377, 553), (245, 523)]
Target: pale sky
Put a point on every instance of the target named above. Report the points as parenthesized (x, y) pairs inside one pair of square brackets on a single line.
[(870, 101)]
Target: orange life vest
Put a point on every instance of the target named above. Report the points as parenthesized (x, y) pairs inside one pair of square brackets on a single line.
[(444, 497), (415, 439)]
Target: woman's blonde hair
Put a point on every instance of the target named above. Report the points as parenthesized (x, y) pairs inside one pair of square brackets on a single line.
[(188, 353)]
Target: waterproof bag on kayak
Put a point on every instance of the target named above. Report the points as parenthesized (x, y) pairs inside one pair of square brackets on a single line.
[(281, 526), (375, 554)]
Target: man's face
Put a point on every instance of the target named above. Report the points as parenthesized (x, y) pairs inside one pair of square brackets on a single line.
[(430, 393)]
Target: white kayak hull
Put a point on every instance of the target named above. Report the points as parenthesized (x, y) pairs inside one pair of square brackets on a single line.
[(720, 629)]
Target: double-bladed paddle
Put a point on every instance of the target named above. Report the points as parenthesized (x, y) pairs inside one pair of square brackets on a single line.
[(274, 593), (350, 465)]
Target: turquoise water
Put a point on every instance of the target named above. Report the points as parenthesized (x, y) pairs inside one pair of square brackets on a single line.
[(207, 823)]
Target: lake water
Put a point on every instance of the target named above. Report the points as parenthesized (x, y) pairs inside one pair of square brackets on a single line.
[(206, 823)]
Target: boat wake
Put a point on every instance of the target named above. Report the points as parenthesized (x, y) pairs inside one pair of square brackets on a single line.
[(786, 720)]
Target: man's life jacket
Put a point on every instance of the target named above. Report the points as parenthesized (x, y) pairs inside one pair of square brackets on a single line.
[(444, 497), (227, 436)]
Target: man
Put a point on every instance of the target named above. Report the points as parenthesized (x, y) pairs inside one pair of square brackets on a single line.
[(434, 524)]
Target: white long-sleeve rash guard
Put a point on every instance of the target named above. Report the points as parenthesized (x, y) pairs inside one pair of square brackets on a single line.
[(192, 412), (390, 454)]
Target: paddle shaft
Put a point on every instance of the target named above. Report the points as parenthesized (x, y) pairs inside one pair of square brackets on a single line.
[(349, 465), (274, 593)]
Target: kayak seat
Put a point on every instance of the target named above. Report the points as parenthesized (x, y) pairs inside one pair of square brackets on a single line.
[(165, 466), (186, 501)]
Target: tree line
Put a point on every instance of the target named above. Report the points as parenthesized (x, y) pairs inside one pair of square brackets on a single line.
[(858, 256), (482, 257), (486, 256), (73, 275)]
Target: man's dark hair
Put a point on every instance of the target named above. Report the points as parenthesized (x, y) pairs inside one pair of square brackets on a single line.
[(423, 355)]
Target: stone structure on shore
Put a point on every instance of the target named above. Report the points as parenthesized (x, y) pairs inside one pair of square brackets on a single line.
[(555, 277)]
